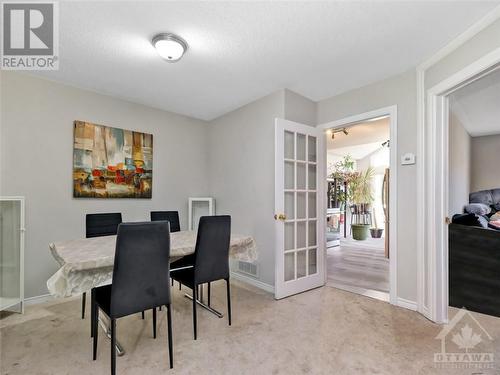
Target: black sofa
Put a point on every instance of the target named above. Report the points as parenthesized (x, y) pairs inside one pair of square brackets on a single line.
[(474, 262)]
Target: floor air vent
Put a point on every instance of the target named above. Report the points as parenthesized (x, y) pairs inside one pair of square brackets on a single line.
[(250, 269)]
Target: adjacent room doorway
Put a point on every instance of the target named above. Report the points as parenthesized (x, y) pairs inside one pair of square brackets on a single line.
[(360, 221), (435, 194)]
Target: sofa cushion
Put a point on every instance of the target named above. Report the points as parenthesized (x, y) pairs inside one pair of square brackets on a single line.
[(483, 196), (471, 220), (495, 216), (494, 224), (487, 197), (495, 194), (478, 209)]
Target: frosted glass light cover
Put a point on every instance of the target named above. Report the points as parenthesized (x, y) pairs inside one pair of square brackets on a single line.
[(169, 46), (169, 49)]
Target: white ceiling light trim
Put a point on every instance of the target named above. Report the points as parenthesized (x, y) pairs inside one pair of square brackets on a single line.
[(170, 46)]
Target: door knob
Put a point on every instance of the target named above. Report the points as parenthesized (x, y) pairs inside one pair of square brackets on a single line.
[(281, 217)]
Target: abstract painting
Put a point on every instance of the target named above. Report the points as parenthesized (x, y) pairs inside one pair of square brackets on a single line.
[(111, 163)]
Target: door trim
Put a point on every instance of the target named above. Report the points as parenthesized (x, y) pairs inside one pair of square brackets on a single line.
[(433, 198), (392, 112)]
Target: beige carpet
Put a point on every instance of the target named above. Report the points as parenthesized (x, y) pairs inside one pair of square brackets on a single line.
[(324, 331), (359, 264)]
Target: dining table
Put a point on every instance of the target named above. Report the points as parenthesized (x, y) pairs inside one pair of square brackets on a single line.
[(87, 263)]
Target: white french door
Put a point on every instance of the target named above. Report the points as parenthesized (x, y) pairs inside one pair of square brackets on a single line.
[(299, 207)]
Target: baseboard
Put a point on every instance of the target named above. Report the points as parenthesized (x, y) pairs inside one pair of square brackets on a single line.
[(407, 304), (254, 282), (38, 299)]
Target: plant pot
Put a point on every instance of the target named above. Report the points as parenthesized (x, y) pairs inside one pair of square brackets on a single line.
[(360, 231), (376, 232)]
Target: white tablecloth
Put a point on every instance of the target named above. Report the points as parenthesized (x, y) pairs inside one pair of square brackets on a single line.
[(88, 262)]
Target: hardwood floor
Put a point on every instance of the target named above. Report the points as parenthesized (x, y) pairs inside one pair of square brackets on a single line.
[(358, 264)]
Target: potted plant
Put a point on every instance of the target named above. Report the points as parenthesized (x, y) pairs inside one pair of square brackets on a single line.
[(361, 196), (376, 232), (343, 171)]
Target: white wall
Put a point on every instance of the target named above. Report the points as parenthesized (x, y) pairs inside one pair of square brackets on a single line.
[(241, 169), (401, 91), (299, 108), (36, 162), (459, 166), (485, 163), (481, 44)]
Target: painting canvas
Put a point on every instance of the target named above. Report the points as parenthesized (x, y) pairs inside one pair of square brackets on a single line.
[(111, 163)]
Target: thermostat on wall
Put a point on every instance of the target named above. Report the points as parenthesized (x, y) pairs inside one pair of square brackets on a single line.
[(408, 159)]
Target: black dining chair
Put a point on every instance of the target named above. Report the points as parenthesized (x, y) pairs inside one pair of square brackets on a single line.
[(140, 280), (171, 216), (98, 225), (211, 259)]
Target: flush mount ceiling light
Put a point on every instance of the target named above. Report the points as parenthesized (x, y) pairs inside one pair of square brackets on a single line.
[(169, 46)]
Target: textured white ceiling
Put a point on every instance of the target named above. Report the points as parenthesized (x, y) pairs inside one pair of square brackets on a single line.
[(477, 106), (360, 134), (357, 152), (240, 51)]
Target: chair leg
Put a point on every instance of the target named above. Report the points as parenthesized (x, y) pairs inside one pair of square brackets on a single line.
[(142, 315), (180, 286), (154, 322), (172, 282), (95, 329), (83, 304), (195, 296), (113, 346), (208, 292), (170, 349), (92, 312), (228, 301)]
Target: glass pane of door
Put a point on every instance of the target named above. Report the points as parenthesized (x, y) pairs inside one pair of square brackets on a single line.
[(301, 263), (311, 147), (301, 176), (301, 147), (312, 261), (289, 266), (289, 145), (290, 205), (289, 175)]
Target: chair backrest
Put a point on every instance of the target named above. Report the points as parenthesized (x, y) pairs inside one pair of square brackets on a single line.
[(141, 269), (97, 225), (171, 216), (212, 248)]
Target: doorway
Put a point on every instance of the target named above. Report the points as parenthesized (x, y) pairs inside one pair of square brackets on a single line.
[(434, 199), (474, 194), (361, 203)]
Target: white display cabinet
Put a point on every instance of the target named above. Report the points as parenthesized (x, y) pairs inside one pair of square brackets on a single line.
[(12, 254), (199, 207)]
